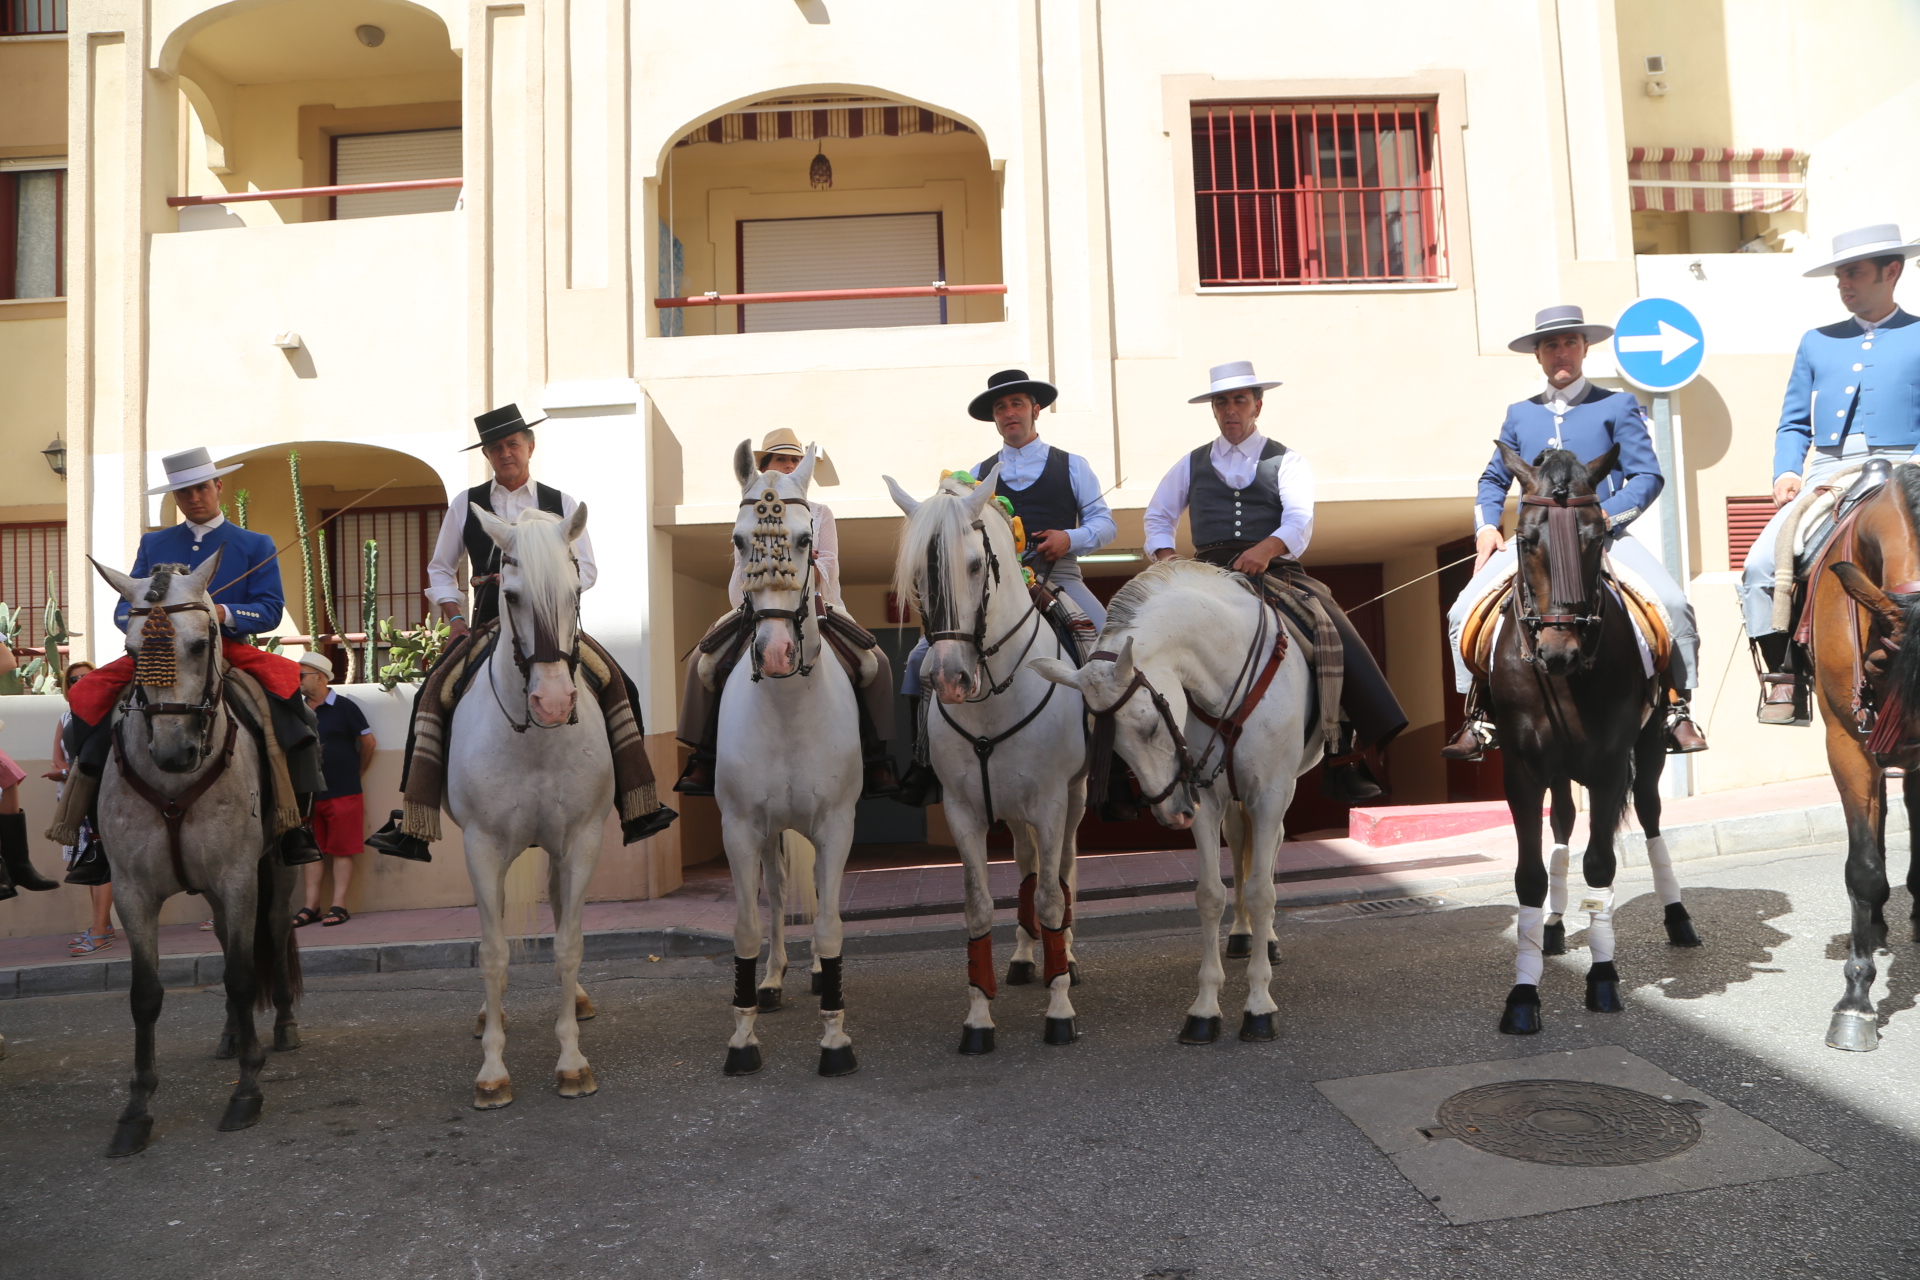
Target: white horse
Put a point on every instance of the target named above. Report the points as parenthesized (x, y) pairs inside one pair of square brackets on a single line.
[(1210, 703), (1007, 744), (787, 758), (528, 764)]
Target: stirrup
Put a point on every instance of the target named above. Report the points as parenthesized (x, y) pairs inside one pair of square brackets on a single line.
[(1477, 731)]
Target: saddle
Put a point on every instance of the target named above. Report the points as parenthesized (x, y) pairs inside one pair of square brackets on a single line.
[(1812, 523), (851, 643), (1651, 625)]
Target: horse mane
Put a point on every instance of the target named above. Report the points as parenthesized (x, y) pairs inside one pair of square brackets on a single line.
[(1903, 674), (1123, 611), (939, 524), (547, 574), (162, 581)]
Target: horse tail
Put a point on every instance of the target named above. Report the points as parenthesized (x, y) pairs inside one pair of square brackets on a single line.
[(271, 963)]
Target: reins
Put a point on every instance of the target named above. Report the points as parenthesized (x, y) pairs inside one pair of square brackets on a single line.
[(978, 636)]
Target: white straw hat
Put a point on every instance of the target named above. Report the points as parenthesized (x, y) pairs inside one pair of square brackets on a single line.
[(1235, 375), (1882, 240), (188, 468)]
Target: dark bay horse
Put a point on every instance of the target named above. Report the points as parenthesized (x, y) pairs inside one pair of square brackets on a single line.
[(1572, 702), (1868, 677)]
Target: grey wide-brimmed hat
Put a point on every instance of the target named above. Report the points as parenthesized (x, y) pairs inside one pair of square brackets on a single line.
[(189, 468), (1235, 375), (1559, 320), (1881, 240)]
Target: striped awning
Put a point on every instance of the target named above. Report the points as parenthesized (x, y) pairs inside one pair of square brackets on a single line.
[(811, 118), (1717, 180)]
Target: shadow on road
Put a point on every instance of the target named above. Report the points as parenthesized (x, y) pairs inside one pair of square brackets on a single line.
[(1737, 940)]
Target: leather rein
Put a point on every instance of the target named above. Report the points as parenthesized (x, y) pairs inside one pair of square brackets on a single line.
[(1565, 577), (978, 636)]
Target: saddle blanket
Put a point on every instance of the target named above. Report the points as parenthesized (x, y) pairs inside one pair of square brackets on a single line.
[(851, 643), (1652, 631)]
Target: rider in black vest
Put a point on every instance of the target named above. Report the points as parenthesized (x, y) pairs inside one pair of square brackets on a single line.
[(483, 553)]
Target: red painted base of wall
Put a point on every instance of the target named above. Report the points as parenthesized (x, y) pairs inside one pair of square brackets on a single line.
[(1406, 823)]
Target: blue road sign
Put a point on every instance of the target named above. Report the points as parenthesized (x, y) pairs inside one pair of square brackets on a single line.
[(1658, 344)]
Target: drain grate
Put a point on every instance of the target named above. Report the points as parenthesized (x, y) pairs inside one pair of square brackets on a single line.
[(1373, 909), (1387, 906)]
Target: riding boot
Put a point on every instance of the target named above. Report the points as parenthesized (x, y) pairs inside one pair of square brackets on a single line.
[(1345, 776), (297, 846), (920, 785), (14, 855), (1121, 803), (647, 824), (1785, 693), (89, 866), (697, 778), (1683, 735), (1476, 736), (390, 839)]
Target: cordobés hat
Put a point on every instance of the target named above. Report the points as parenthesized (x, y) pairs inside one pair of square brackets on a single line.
[(319, 662), (1559, 320), (1235, 375), (188, 468), (1882, 240), (1005, 383), (497, 424), (782, 441)]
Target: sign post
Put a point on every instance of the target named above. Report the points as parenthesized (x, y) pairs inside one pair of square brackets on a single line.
[(1658, 346)]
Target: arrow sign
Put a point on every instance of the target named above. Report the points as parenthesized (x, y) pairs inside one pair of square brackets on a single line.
[(1658, 344)]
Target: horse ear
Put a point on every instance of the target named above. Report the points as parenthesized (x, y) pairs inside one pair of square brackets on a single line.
[(1602, 467), (127, 587), (1517, 464), (1123, 661), (499, 530), (983, 492), (197, 580), (1861, 588), (1057, 671), (743, 469), (901, 498), (803, 474), (576, 523)]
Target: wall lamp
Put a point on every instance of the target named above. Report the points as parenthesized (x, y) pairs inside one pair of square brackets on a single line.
[(56, 456)]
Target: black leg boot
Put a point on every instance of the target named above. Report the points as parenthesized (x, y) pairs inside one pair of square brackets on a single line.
[(298, 847), (876, 762), (13, 853), (1345, 776), (920, 786), (90, 867), (395, 842)]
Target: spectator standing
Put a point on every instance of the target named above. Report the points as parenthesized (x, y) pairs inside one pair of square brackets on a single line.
[(98, 935), (339, 821)]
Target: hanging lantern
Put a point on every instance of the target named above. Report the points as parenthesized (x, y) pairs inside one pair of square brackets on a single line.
[(820, 172)]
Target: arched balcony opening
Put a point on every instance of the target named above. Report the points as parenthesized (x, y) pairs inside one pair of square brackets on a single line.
[(840, 192)]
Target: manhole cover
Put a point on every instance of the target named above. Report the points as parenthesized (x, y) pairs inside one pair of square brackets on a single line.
[(1568, 1122)]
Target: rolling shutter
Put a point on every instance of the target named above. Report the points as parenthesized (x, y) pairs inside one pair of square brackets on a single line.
[(396, 157), (1746, 517), (889, 251)]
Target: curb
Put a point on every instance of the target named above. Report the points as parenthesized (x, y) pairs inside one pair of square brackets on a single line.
[(1786, 831)]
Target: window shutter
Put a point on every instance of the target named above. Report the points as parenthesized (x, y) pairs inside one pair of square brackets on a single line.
[(1746, 517), (890, 251), (396, 157)]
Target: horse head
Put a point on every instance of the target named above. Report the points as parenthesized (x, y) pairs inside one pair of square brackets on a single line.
[(951, 563), (1560, 543), (1132, 716), (178, 665), (540, 605), (773, 538)]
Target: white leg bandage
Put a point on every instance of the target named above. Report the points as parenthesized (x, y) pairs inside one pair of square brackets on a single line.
[(1665, 883), (1557, 882), (1598, 904), (1528, 964)]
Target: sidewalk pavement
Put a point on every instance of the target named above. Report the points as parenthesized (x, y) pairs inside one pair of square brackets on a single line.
[(909, 907)]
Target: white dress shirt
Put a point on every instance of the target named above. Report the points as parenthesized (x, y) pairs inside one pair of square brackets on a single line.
[(1021, 467), (826, 560), (200, 531), (449, 550), (1236, 464)]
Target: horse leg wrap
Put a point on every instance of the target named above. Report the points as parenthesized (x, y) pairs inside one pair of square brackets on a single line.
[(1066, 909), (980, 964), (830, 1000), (744, 995), (1665, 883), (1028, 919), (1557, 881), (1598, 904), (1527, 966), (1053, 946)]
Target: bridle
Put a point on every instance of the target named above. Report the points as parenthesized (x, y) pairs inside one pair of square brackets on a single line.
[(210, 687), (977, 637), (1566, 577), (751, 614), (545, 649)]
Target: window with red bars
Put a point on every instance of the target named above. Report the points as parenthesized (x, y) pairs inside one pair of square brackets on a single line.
[(1317, 193), (405, 536), (33, 557), (32, 17), (33, 231), (1746, 517)]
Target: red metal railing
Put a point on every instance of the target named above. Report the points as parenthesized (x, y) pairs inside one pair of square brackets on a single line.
[(829, 295), (1317, 193), (302, 193), (32, 17)]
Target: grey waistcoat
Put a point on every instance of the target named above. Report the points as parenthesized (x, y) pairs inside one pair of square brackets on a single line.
[(1217, 512)]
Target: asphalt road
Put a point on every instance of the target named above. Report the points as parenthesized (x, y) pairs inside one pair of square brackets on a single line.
[(1123, 1156)]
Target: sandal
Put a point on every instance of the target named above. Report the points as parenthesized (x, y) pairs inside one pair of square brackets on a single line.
[(305, 916), (335, 915), (89, 942), (206, 926)]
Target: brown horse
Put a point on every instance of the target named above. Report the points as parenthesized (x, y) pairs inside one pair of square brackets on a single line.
[(1573, 702), (1868, 681)]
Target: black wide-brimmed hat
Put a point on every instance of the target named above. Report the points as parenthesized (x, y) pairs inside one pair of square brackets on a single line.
[(498, 424), (1005, 383)]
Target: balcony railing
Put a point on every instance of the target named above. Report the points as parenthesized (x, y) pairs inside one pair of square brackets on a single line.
[(938, 290), (32, 17), (302, 193)]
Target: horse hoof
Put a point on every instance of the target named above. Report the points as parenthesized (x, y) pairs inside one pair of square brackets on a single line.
[(1854, 1032), (492, 1097), (769, 999), (1273, 952), (838, 1061), (583, 1010), (1255, 1027), (1553, 939), (1603, 996), (130, 1137), (1061, 1031), (1680, 927), (1019, 973), (1521, 1017), (1200, 1030), (286, 1037), (743, 1060), (974, 1040), (1073, 973), (228, 1046), (1239, 946), (576, 1084), (242, 1113)]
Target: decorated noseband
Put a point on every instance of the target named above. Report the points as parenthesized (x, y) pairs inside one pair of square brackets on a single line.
[(769, 563)]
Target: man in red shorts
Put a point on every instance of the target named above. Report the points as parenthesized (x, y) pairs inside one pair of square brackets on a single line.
[(339, 822)]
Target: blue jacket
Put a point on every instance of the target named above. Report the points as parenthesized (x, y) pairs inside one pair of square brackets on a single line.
[(1844, 381), (1602, 419), (256, 604)]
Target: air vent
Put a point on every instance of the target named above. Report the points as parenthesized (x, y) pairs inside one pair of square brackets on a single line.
[(1656, 64)]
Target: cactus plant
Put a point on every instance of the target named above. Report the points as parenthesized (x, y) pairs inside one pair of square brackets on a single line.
[(369, 605), (314, 623)]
